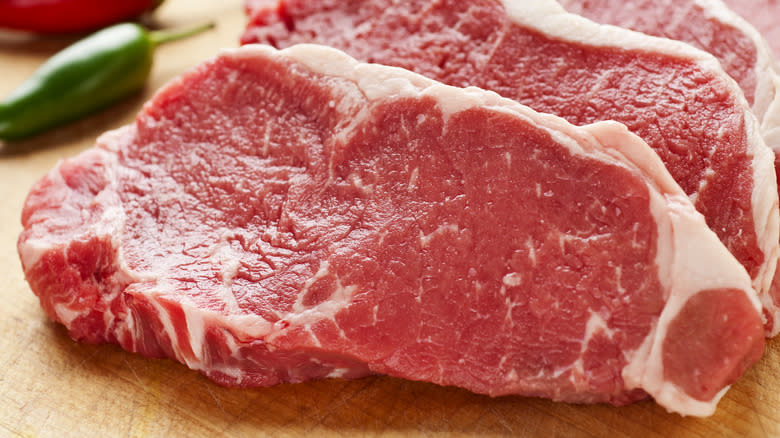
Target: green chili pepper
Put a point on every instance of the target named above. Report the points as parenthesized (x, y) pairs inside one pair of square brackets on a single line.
[(83, 78)]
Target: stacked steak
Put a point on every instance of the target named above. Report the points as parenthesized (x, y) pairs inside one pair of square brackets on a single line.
[(706, 24), (675, 97), (597, 222)]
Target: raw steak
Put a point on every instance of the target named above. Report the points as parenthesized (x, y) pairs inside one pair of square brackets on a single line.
[(709, 25), (675, 97), (283, 216)]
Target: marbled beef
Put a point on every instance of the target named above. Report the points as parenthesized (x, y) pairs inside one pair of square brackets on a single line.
[(283, 216)]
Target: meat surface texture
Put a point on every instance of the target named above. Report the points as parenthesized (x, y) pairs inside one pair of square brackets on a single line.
[(709, 25), (677, 98), (278, 216), (743, 53)]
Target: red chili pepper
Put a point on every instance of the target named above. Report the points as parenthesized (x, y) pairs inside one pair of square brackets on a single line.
[(66, 16)]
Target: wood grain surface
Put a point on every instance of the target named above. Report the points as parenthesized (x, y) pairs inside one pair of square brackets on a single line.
[(51, 386)]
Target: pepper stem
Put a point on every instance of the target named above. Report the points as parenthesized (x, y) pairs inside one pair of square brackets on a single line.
[(163, 36)]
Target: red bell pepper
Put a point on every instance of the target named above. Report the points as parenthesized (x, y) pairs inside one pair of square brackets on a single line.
[(67, 16)]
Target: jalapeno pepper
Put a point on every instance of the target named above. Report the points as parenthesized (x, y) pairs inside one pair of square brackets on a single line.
[(64, 16), (83, 78)]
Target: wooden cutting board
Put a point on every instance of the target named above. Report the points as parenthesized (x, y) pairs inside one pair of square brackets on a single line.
[(52, 386)]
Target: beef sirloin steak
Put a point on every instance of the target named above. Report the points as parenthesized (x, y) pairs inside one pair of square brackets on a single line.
[(677, 98), (706, 24), (283, 216), (744, 54)]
